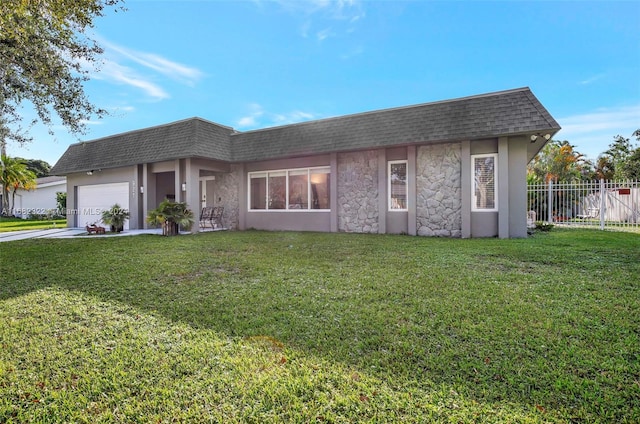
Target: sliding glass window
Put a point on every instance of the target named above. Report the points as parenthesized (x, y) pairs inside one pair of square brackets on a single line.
[(290, 189)]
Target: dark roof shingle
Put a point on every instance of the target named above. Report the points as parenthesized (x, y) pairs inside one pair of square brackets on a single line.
[(489, 115)]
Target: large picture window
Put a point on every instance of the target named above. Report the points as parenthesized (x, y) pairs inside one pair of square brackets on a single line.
[(398, 185), (484, 173), (290, 189)]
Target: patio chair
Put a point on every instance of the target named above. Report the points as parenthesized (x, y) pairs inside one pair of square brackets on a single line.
[(205, 217), (216, 216), (212, 216)]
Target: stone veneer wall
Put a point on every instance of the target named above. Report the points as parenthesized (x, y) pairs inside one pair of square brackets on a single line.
[(227, 187), (438, 184), (358, 192)]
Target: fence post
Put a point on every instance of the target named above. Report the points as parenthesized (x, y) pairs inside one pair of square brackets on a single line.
[(550, 203), (603, 203)]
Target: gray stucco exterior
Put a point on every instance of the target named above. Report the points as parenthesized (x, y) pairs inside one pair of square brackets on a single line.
[(212, 165)]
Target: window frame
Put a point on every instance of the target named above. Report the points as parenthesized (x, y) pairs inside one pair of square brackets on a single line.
[(474, 198), (287, 171), (390, 207)]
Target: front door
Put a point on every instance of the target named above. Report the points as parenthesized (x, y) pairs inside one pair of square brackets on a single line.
[(206, 192)]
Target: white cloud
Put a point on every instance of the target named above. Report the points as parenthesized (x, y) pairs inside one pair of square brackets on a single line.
[(141, 70), (357, 51), (322, 13), (114, 72), (592, 79), (592, 132), (324, 34), (164, 66), (258, 118)]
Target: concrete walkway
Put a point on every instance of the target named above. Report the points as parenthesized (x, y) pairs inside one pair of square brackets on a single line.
[(68, 233)]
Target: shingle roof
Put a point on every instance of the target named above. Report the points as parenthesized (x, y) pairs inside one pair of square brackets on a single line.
[(193, 137), (489, 115)]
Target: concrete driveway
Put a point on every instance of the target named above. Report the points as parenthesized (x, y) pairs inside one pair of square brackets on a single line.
[(67, 233)]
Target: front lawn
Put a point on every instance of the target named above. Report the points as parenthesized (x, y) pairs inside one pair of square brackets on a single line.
[(17, 224), (304, 327)]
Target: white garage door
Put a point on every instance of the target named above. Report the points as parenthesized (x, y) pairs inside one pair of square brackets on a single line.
[(93, 199)]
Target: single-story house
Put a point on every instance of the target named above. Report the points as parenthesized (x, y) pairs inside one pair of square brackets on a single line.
[(40, 201), (454, 168)]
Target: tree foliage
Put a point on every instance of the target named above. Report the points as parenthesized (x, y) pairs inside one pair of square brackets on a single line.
[(558, 161), (14, 175), (45, 55), (39, 167), (620, 161)]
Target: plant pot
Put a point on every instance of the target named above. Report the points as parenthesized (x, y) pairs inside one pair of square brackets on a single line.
[(115, 229), (170, 229)]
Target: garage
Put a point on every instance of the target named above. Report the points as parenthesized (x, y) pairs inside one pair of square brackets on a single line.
[(93, 199)]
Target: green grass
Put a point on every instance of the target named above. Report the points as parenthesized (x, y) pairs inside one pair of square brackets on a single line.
[(17, 224), (303, 327)]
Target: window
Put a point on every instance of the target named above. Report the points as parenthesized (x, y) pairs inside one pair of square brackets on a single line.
[(398, 185), (290, 189), (258, 191), (277, 190), (299, 189), (484, 173)]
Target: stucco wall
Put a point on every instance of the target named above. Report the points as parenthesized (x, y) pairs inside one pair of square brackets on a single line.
[(41, 201), (358, 192), (439, 193)]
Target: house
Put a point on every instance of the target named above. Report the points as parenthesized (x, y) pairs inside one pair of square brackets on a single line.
[(454, 168), (40, 201)]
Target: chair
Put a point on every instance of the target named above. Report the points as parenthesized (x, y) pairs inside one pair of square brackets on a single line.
[(211, 215)]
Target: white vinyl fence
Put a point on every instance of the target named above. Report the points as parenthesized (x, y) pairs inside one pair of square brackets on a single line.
[(602, 204)]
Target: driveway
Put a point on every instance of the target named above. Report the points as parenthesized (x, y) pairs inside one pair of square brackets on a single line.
[(67, 233)]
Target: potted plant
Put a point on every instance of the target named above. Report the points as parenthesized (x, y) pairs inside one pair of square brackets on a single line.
[(171, 216), (115, 217)]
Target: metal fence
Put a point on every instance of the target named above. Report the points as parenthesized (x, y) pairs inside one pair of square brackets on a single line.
[(602, 204)]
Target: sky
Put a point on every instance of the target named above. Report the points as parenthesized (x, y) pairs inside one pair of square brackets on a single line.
[(255, 63)]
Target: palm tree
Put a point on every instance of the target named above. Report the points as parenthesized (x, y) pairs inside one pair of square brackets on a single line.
[(14, 175)]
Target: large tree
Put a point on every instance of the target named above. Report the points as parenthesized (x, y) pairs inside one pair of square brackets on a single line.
[(558, 161), (39, 167), (620, 161), (14, 175), (44, 52)]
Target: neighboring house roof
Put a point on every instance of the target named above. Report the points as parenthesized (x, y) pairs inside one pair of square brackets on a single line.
[(50, 181), (503, 113)]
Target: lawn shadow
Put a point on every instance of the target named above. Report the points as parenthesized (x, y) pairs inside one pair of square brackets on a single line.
[(427, 311)]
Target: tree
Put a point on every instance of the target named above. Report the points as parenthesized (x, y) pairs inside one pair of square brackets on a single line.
[(37, 166), (618, 161), (44, 53), (14, 176), (559, 162)]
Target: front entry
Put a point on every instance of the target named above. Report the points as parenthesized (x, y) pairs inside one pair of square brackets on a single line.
[(207, 195)]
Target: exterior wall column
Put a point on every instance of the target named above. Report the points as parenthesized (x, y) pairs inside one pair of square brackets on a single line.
[(333, 191), (503, 187), (192, 198), (242, 198), (412, 225), (518, 186), (382, 191), (145, 194), (177, 180), (134, 199), (466, 185)]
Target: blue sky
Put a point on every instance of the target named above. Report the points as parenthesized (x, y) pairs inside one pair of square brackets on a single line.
[(255, 64)]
